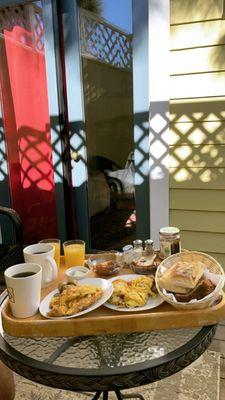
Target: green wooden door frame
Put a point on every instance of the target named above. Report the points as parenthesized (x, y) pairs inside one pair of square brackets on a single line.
[(9, 3), (76, 116)]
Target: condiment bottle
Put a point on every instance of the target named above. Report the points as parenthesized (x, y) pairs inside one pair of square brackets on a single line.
[(127, 252), (120, 259), (169, 238), (149, 250), (138, 248)]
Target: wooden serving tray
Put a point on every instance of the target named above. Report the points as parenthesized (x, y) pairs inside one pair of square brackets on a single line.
[(104, 320)]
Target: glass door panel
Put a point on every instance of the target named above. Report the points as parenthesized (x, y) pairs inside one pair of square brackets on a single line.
[(26, 119), (106, 50)]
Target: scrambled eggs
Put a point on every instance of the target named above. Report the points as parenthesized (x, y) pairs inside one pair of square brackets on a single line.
[(133, 293)]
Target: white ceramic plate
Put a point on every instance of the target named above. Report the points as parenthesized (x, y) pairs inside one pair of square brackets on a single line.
[(103, 284), (151, 303)]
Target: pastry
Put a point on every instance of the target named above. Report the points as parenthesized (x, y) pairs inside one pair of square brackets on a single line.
[(182, 276), (186, 281)]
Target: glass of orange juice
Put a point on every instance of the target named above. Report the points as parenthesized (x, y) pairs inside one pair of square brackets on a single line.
[(56, 244), (74, 251)]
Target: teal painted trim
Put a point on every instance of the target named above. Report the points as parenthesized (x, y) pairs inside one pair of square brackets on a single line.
[(5, 199), (75, 102), (10, 3), (6, 235), (51, 33)]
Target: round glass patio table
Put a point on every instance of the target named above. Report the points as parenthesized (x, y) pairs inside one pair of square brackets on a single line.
[(106, 362)]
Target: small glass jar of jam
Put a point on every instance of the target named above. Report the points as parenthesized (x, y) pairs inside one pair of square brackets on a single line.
[(169, 239)]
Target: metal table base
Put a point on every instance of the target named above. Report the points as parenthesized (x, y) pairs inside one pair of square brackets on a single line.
[(119, 395)]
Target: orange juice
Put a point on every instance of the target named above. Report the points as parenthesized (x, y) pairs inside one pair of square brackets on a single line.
[(74, 254)]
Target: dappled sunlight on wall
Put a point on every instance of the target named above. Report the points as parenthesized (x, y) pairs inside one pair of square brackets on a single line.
[(195, 10), (158, 142), (197, 124), (197, 141), (197, 127)]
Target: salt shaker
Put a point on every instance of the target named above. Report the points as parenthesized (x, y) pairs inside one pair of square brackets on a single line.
[(149, 250), (138, 247), (120, 259)]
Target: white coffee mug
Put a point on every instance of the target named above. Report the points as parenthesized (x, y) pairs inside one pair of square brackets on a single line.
[(23, 283), (42, 254)]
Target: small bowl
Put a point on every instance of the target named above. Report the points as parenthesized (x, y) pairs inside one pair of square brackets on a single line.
[(104, 264), (144, 265), (76, 273)]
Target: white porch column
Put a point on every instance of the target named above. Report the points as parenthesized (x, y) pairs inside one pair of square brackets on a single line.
[(159, 30)]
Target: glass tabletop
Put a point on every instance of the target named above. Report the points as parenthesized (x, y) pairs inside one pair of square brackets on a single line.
[(95, 352), (103, 350)]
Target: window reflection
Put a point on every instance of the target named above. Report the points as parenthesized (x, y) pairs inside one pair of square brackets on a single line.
[(106, 46)]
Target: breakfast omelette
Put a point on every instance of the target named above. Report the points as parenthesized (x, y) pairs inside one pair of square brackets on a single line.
[(73, 299)]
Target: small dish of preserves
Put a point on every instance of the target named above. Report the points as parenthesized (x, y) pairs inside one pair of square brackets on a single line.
[(144, 265), (104, 264), (76, 273)]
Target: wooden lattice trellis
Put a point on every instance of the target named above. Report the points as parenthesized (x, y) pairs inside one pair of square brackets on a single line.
[(104, 41), (12, 16), (98, 38), (28, 17), (38, 28)]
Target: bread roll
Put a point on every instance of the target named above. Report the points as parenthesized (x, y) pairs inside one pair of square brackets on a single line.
[(182, 276)]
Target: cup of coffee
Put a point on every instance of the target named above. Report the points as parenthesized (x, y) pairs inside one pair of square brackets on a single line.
[(23, 283), (42, 254), (56, 244)]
